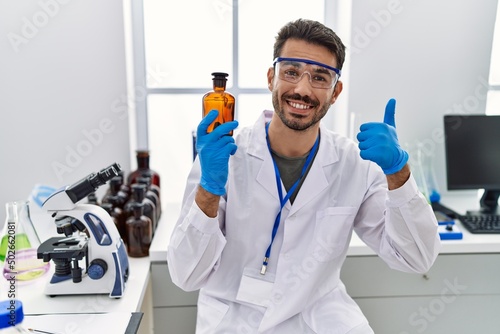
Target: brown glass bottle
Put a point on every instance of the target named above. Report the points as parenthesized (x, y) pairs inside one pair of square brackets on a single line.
[(118, 216), (124, 187), (143, 166), (139, 232), (152, 195), (153, 187), (115, 190), (220, 100), (139, 196)]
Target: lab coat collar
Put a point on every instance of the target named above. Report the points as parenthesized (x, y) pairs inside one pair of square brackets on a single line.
[(316, 180)]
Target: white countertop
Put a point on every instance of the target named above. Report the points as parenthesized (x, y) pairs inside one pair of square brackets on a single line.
[(36, 302), (78, 323), (460, 202)]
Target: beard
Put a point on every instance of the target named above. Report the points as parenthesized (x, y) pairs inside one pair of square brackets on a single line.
[(295, 122)]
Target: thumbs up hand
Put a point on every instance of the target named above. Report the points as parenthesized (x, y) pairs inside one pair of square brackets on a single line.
[(378, 142)]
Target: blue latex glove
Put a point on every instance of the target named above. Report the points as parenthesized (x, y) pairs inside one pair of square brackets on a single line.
[(378, 142), (214, 149)]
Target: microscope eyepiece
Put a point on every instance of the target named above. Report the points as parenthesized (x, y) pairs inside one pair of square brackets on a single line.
[(91, 182), (104, 175)]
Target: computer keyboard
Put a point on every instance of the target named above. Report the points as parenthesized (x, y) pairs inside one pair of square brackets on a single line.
[(481, 223)]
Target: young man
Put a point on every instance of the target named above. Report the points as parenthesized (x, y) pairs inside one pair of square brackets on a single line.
[(267, 216)]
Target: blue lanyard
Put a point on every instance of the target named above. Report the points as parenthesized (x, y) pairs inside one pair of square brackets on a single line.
[(290, 192)]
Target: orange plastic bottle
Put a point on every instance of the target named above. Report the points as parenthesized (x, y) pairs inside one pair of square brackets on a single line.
[(220, 100)]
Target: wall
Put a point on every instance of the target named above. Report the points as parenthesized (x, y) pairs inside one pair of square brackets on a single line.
[(63, 80), (62, 93), (432, 56)]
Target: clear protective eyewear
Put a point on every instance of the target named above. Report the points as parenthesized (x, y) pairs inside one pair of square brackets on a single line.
[(320, 75)]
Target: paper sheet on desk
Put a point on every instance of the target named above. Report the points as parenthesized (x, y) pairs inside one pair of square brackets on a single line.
[(79, 323)]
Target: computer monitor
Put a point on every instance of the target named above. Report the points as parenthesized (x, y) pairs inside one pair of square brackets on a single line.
[(472, 148)]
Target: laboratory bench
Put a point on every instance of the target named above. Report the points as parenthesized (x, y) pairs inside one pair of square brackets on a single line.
[(459, 294), (92, 313)]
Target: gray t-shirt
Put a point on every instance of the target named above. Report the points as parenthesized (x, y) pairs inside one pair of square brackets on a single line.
[(290, 170)]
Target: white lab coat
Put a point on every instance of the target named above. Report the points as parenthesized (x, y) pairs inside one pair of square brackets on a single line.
[(301, 291)]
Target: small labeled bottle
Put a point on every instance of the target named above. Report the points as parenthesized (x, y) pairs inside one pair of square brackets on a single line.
[(139, 232), (220, 100)]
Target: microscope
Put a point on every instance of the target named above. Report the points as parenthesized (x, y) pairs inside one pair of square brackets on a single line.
[(91, 240)]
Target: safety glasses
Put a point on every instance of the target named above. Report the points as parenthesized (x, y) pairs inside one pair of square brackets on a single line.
[(320, 75)]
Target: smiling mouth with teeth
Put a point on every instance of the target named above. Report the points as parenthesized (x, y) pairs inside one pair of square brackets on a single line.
[(299, 105)]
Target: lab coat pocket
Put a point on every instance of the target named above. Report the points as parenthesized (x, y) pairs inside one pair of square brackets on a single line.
[(211, 311), (332, 232)]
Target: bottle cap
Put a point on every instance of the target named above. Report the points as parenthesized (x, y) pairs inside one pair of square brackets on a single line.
[(11, 313), (138, 191), (220, 75), (138, 187), (144, 180), (142, 153), (220, 79)]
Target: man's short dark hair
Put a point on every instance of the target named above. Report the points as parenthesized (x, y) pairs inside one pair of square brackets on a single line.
[(312, 32)]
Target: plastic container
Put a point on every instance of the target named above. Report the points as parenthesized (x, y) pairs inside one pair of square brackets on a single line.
[(11, 317), (421, 163), (24, 266)]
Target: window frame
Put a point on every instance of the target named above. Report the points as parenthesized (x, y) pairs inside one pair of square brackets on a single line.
[(140, 71)]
